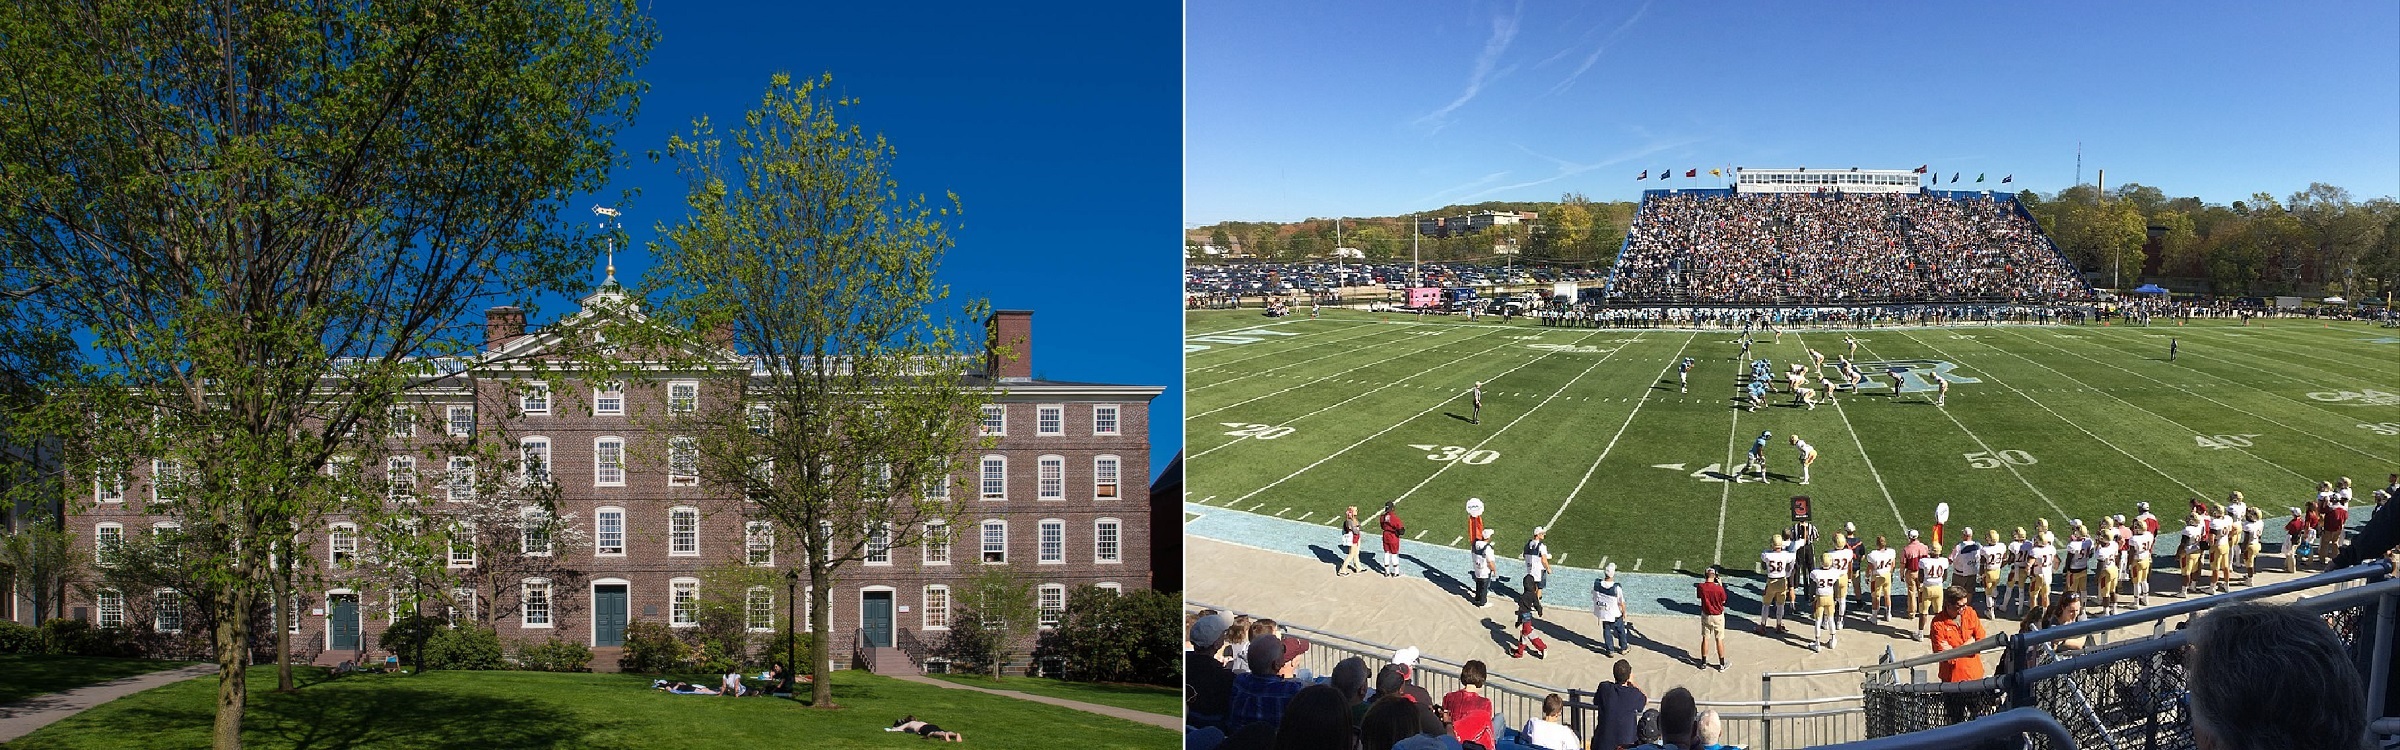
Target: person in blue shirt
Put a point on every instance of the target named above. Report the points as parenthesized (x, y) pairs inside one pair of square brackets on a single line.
[(1758, 394), (1683, 376), (1758, 457)]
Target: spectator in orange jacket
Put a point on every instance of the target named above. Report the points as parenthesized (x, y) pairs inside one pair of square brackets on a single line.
[(1957, 626)]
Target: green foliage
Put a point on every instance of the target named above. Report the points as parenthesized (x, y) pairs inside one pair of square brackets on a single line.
[(1107, 637), (469, 647), (554, 655), (39, 557), (653, 648), (408, 635), (975, 645), (1000, 613), (79, 638), (19, 639)]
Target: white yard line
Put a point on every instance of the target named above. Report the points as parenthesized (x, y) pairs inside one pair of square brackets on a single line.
[(1862, 447), (2310, 434), (2259, 341), (2012, 468), (1733, 436), (1612, 440), (1395, 426), (1487, 439), (2231, 363), (1436, 345), (1365, 331), (1377, 389)]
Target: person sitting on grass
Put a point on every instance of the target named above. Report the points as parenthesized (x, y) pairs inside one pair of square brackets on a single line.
[(924, 729), (732, 685)]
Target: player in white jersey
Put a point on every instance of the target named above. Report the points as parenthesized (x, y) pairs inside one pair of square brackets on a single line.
[(1966, 563), (1931, 571), (1816, 359), (2040, 563), (2079, 558), (1840, 559), (1992, 562), (2254, 530), (2236, 508), (1808, 456), (2138, 554), (2188, 556), (2107, 564), (1852, 343), (1879, 566), (1776, 563), (1825, 584), (2221, 529)]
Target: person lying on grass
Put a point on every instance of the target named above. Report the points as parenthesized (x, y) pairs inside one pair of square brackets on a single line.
[(925, 729), (681, 688)]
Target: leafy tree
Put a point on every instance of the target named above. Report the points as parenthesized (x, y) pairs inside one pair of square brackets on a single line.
[(39, 560), (999, 611), (799, 246), (242, 201), (1107, 637)]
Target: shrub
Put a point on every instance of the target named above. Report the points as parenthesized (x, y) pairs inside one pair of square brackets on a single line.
[(972, 646), (79, 638), (1105, 637), (19, 639), (652, 648), (407, 637), (554, 656), (469, 647)]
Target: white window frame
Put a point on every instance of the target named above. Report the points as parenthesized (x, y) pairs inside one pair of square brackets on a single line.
[(110, 604), (678, 405), (878, 550), (600, 532), (935, 616), (683, 602), (159, 610), (163, 475), (936, 485), (752, 606), (1050, 537), (460, 479), (455, 425), (758, 537), (463, 532), (1106, 533), (461, 594), (1050, 478), (534, 610), (1119, 588), (1108, 477), (535, 400), (1050, 419), (341, 539), (687, 540), (986, 479), (761, 419), (995, 420), (404, 422), (683, 453), (531, 522), (400, 479), (937, 543), (104, 552), (983, 539), (1050, 614), (542, 471), (608, 461), (104, 490), (608, 399), (1115, 419)]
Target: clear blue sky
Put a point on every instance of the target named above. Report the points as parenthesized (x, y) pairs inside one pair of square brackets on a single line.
[(1058, 128), (1319, 109)]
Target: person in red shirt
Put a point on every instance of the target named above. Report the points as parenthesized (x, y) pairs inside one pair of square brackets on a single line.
[(1391, 539), (1469, 712), (2329, 536), (1909, 555), (2294, 530), (1712, 619)]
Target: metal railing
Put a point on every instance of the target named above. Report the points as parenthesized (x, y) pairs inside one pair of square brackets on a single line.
[(916, 650), (1975, 733), (858, 652)]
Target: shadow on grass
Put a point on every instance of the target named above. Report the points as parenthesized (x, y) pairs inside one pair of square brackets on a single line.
[(332, 717)]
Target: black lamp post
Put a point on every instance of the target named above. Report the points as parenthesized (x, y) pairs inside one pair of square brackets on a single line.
[(791, 630)]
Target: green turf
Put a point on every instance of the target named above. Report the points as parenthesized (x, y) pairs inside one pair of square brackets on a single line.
[(1328, 417), (1150, 698), (26, 675), (533, 709)]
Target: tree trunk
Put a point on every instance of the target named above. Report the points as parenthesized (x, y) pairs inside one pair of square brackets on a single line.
[(820, 619), (233, 685), (283, 622)]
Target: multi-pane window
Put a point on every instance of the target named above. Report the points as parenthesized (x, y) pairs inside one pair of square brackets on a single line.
[(682, 603), (342, 542), (404, 422), (167, 605), (1054, 541), (758, 542), (609, 399), (995, 542), (400, 475), (1104, 419), (608, 526), (937, 544), (1105, 545), (1104, 477), (995, 477), (1112, 587), (291, 622), (537, 603), (683, 531), (462, 545), (1053, 601), (995, 420), (879, 544), (109, 487), (1050, 420), (166, 481), (462, 606), (762, 479), (683, 460), (535, 541), (461, 421), (762, 420), (683, 397), (1052, 472), (535, 455), (108, 539), (608, 462), (879, 481), (937, 607), (112, 609), (536, 398), (758, 604), (461, 482), (937, 483)]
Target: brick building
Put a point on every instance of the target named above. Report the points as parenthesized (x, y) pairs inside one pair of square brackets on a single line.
[(1060, 498)]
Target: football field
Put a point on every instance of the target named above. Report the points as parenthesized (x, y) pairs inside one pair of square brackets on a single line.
[(1585, 430)]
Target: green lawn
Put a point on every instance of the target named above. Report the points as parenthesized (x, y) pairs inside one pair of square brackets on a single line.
[(1151, 698), (26, 675), (1586, 431), (532, 709)]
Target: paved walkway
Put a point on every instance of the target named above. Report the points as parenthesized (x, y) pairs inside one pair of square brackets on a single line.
[(23, 717), (1145, 717)]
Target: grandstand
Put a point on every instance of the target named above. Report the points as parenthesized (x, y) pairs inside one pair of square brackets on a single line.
[(1853, 243)]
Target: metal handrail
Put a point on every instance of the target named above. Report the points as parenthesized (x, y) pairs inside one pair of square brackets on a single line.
[(2190, 606), (915, 649), (1989, 642), (1970, 734), (858, 651)]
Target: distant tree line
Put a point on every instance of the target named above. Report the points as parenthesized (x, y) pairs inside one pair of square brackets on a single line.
[(2317, 239)]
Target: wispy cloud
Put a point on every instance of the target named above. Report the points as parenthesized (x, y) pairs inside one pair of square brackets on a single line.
[(1461, 188), (1504, 31), (1568, 169), (1594, 56)]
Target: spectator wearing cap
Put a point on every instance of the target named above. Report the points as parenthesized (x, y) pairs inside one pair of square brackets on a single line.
[(1537, 565), (1208, 685), (1956, 625), (1394, 679), (1620, 705), (1678, 719), (1910, 553), (1260, 694), (1608, 604), (1351, 677), (2265, 676), (1469, 711), (1712, 619), (1482, 563)]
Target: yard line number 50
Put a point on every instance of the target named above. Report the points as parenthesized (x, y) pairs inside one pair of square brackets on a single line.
[(1994, 459)]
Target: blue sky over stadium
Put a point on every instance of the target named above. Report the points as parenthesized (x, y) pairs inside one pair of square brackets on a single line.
[(1302, 110), (1059, 129)]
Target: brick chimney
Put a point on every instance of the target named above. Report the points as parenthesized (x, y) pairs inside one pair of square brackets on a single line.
[(1012, 329), (501, 324), (721, 335)]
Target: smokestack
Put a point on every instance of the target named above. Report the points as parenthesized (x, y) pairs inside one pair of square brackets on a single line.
[(501, 324), (1012, 329), (2101, 181)]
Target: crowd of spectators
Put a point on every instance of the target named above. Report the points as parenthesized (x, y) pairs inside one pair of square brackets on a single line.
[(1838, 248)]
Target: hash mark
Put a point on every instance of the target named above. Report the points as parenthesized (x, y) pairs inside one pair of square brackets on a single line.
[(1454, 542), (1637, 563), (1420, 534)]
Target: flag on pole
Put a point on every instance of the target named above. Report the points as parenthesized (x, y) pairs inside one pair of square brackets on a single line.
[(1920, 169), (1645, 175), (1978, 176), (1691, 173), (1666, 173), (1953, 178), (1712, 172), (2008, 179)]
